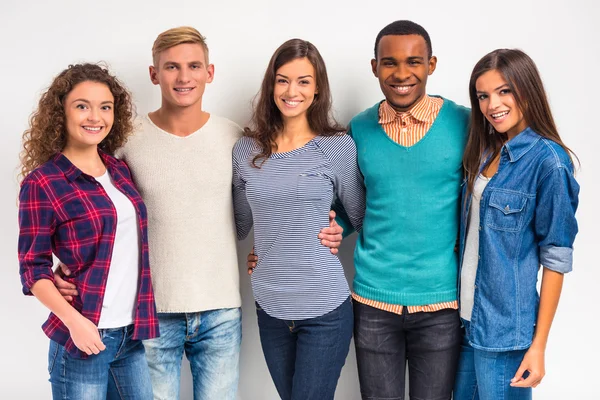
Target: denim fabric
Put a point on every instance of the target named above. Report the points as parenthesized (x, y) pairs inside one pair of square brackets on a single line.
[(305, 357), (385, 341), (486, 375), (119, 372), (527, 218), (211, 342)]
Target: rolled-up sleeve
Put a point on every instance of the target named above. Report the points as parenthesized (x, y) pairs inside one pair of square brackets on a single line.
[(555, 223), (36, 227)]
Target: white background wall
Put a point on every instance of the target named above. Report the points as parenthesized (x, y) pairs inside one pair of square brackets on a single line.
[(40, 38)]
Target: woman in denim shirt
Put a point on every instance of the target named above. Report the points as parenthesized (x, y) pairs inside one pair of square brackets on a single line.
[(518, 213)]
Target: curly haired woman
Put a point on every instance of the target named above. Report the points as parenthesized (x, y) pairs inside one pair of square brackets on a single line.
[(78, 203)]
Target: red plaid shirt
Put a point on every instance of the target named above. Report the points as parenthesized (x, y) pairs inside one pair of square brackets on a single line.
[(68, 213)]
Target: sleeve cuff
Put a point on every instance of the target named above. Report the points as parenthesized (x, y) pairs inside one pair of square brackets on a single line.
[(559, 259)]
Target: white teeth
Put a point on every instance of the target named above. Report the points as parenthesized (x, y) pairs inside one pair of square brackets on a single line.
[(92, 128), (401, 88), (500, 114), (292, 103), (183, 89)]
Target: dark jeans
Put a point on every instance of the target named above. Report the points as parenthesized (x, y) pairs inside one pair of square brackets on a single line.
[(305, 357), (430, 341)]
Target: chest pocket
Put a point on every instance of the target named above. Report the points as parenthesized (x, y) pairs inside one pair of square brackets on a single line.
[(506, 211), (313, 186)]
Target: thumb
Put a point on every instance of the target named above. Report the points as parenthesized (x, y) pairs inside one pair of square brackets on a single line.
[(519, 375), (331, 215)]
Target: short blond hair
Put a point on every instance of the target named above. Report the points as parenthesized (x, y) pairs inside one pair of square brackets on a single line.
[(177, 36)]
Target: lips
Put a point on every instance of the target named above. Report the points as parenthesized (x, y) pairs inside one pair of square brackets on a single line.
[(499, 116), (183, 90), (401, 89), (291, 103), (92, 129)]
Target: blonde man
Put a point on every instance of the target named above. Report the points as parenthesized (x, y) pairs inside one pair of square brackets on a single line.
[(180, 158)]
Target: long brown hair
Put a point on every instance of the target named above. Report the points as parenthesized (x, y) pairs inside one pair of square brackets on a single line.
[(525, 83), (47, 134), (266, 120)]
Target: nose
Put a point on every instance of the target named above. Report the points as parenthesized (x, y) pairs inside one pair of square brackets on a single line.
[(402, 72), (494, 102), (94, 114), (184, 75), (292, 89)]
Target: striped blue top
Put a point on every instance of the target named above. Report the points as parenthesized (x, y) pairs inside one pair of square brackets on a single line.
[(288, 198)]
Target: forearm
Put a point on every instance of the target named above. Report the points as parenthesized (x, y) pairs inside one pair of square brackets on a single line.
[(552, 282), (45, 291)]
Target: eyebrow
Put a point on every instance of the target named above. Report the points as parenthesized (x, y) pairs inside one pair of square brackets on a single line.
[(300, 77), (88, 102), (177, 64), (499, 87)]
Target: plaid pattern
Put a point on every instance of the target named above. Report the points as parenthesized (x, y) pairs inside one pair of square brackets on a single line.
[(68, 213)]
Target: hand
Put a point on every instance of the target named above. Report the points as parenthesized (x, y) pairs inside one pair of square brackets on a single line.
[(66, 289), (332, 235), (533, 362), (251, 261), (85, 335)]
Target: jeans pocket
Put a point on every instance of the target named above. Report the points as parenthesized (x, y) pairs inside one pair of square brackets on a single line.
[(52, 355)]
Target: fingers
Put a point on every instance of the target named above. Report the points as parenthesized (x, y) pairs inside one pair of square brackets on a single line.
[(518, 375), (251, 262), (64, 269), (332, 216), (532, 380), (66, 289)]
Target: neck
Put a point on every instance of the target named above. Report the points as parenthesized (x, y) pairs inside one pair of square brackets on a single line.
[(179, 121), (295, 133), (86, 159)]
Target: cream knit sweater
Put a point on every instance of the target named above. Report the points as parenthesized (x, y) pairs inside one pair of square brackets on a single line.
[(186, 185)]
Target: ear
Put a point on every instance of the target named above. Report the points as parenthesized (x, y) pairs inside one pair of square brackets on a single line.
[(153, 74), (432, 64), (374, 67), (211, 73)]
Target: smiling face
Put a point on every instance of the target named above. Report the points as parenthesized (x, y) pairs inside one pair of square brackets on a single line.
[(497, 103), (89, 112), (182, 72), (402, 67), (295, 88)]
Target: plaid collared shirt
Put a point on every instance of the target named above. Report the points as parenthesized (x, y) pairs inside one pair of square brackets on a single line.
[(68, 213)]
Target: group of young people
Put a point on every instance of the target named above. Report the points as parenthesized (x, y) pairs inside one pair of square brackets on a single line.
[(143, 215)]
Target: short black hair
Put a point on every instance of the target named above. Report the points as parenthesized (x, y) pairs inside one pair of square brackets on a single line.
[(404, 27)]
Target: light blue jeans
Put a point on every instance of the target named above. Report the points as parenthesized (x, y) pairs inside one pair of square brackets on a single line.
[(211, 342), (119, 372), (486, 375)]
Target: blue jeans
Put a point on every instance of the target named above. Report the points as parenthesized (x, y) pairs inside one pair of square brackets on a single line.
[(305, 358), (385, 342), (486, 375), (211, 342), (118, 372)]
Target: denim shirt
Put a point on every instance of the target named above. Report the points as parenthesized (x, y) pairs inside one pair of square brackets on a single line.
[(527, 218)]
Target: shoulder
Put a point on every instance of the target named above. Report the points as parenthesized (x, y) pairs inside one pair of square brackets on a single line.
[(458, 110), (244, 147), (225, 126), (337, 147), (368, 114), (553, 156)]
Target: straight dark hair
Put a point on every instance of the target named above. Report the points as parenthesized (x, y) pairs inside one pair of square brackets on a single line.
[(525, 83), (266, 121)]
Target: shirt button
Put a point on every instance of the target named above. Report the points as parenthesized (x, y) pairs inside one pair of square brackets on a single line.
[(507, 208), (480, 227)]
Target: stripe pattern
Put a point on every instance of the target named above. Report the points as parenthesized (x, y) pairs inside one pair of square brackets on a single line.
[(288, 200), (407, 129)]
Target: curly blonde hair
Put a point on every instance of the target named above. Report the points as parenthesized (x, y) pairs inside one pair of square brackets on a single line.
[(47, 134)]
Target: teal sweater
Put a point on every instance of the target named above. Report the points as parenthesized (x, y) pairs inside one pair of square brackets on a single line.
[(405, 251)]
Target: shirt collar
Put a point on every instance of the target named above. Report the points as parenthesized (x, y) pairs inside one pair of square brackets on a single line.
[(72, 172), (422, 111), (518, 146)]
